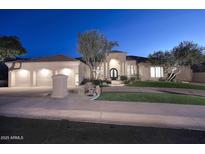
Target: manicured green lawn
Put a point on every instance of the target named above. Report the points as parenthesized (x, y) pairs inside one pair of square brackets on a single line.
[(63, 131), (153, 97), (166, 85)]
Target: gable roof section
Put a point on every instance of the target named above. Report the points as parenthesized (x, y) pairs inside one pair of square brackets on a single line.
[(52, 58), (137, 58), (117, 51)]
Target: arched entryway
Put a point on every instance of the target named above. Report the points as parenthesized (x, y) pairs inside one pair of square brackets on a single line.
[(113, 74)]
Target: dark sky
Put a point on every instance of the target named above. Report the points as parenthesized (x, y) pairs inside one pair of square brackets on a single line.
[(139, 32)]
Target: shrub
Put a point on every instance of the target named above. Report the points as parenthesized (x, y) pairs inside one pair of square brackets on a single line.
[(107, 81), (138, 77), (133, 78), (96, 82), (126, 81), (84, 81), (162, 79), (123, 77)]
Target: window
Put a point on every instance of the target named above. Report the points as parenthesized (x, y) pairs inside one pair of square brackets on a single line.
[(132, 70), (128, 70), (156, 72)]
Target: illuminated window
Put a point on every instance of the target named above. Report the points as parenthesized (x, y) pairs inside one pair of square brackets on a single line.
[(156, 72)]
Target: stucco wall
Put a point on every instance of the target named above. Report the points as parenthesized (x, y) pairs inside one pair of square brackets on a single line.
[(199, 77), (185, 75), (144, 71), (84, 72), (130, 63)]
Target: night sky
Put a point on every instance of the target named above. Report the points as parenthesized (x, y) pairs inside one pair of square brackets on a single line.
[(138, 32)]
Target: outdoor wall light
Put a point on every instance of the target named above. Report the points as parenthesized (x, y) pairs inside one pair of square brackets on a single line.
[(113, 62)]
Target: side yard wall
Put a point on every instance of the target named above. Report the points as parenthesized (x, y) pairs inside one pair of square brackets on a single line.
[(185, 75), (199, 77), (144, 71)]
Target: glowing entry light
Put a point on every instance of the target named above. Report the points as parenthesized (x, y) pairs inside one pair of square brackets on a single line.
[(23, 73), (113, 62), (45, 72), (66, 71)]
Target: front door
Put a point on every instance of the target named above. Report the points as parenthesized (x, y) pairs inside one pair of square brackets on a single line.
[(113, 74)]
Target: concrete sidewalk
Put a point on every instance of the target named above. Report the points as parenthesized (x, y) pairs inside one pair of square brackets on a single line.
[(119, 118), (78, 108)]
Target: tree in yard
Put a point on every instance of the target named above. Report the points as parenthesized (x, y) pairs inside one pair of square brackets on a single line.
[(162, 58), (10, 46), (93, 47), (185, 54)]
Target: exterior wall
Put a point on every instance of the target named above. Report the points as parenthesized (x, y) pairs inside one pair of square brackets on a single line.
[(84, 72), (185, 75), (144, 71), (38, 69), (129, 65), (40, 73), (199, 77)]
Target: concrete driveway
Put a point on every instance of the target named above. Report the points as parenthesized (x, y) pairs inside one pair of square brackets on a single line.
[(36, 103)]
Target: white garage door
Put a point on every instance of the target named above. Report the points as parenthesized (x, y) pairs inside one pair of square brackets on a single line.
[(22, 78), (44, 77), (71, 76)]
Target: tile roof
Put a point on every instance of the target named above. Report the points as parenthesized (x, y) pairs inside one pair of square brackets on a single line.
[(51, 58), (137, 58)]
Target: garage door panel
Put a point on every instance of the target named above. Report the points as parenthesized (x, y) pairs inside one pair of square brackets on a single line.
[(71, 76), (44, 77), (22, 78)]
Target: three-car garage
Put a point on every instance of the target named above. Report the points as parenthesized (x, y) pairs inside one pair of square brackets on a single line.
[(38, 73)]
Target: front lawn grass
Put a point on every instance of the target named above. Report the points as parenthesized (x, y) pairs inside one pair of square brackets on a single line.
[(153, 97), (165, 84), (63, 131)]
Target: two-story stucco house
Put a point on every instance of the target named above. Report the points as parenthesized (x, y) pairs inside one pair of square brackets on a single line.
[(38, 72)]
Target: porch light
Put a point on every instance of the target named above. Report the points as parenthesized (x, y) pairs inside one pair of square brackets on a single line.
[(113, 62)]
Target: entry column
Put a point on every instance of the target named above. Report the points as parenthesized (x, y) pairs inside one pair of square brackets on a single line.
[(108, 70)]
